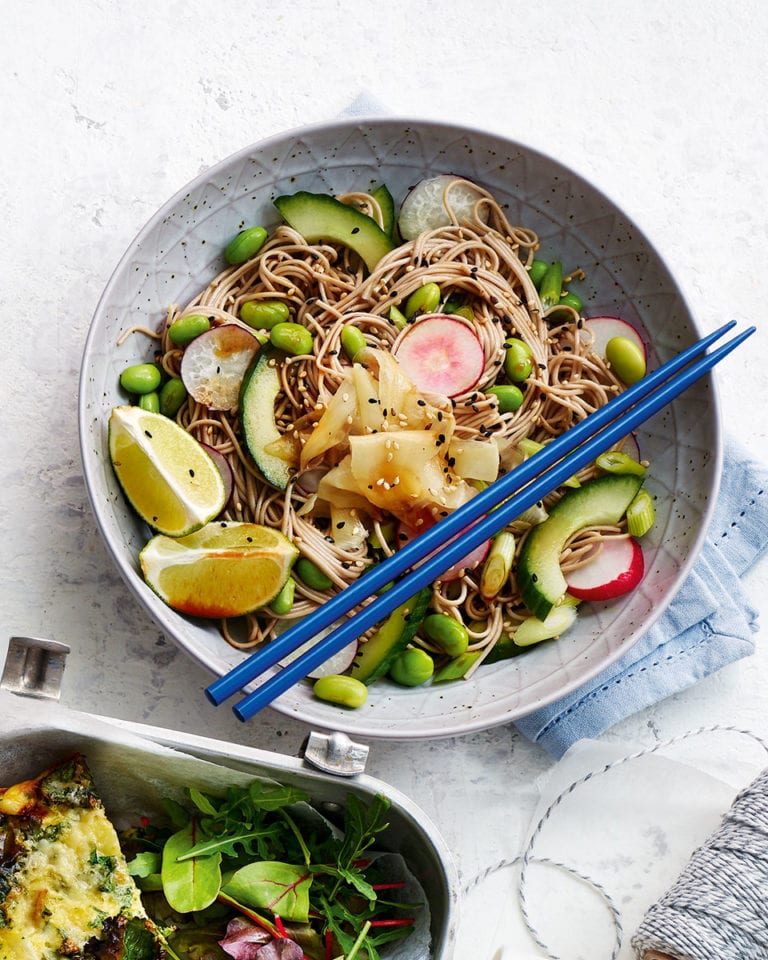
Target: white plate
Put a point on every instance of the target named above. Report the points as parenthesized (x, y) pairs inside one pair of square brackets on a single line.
[(179, 251)]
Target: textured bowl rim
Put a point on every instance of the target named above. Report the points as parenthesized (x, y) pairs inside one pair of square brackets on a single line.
[(162, 615)]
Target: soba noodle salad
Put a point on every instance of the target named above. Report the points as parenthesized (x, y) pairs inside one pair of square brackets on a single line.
[(349, 378)]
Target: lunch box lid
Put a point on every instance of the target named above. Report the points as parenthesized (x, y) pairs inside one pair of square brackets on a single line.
[(329, 766)]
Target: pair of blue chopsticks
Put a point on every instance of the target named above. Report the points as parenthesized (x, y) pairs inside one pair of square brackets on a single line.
[(476, 521)]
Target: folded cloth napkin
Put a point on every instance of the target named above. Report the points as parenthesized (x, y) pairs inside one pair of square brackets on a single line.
[(708, 624)]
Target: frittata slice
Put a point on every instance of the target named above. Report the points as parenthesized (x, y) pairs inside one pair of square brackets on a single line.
[(65, 890)]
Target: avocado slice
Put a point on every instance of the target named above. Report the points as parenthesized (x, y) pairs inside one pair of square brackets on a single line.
[(601, 501), (258, 394), (375, 656), (317, 216)]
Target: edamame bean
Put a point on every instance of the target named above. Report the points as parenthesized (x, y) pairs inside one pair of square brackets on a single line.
[(283, 602), (150, 401), (467, 312), (292, 338), (518, 360), (412, 667), (398, 318), (312, 575), (245, 245), (551, 287), (185, 329), (352, 341), (172, 396), (509, 396), (447, 633), (626, 359), (140, 378), (572, 300), (346, 691), (264, 314), (536, 272), (423, 300)]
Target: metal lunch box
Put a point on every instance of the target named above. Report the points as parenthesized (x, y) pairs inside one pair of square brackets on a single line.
[(330, 768)]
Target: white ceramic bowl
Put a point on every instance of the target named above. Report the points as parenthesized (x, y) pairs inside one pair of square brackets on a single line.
[(179, 251)]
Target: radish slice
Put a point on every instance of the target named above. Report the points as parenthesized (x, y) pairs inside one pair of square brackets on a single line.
[(473, 559), (616, 569), (424, 208), (214, 364), (441, 354), (604, 329), (338, 663), (224, 469)]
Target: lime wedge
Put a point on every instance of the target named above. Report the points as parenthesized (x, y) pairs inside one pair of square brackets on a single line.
[(221, 570), (169, 479)]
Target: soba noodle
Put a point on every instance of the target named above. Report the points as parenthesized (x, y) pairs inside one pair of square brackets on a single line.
[(484, 263)]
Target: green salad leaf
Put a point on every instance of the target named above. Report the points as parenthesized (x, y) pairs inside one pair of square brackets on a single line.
[(281, 888), (189, 884)]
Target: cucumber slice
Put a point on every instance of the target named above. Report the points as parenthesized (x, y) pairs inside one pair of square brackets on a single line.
[(318, 216), (261, 385), (601, 501), (532, 630), (375, 657), (385, 200)]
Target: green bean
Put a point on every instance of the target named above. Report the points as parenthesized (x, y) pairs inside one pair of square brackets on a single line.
[(518, 360), (150, 401), (452, 304), (292, 338), (626, 359), (641, 514), (352, 341), (509, 396), (185, 329), (398, 318), (447, 633), (551, 287), (345, 691), (140, 378), (412, 667), (456, 668), (536, 272), (312, 575), (264, 314), (245, 245), (423, 300), (387, 532), (498, 565), (616, 461), (172, 396), (283, 602)]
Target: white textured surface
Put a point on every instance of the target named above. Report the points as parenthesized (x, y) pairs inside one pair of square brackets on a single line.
[(108, 108)]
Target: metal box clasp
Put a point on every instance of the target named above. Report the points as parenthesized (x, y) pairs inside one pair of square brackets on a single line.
[(34, 667)]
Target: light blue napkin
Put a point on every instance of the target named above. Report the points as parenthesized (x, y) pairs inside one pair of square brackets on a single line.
[(709, 623)]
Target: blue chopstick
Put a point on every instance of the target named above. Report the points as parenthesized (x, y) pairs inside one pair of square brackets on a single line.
[(458, 522)]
